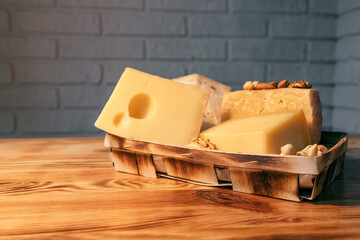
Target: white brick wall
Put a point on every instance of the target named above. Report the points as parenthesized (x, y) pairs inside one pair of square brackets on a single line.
[(60, 59)]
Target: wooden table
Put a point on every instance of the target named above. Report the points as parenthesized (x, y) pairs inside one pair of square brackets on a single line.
[(66, 188)]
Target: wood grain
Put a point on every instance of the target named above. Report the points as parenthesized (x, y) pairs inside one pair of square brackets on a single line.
[(67, 188), (267, 183)]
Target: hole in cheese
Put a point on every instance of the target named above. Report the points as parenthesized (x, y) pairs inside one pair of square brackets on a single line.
[(141, 106), (120, 120)]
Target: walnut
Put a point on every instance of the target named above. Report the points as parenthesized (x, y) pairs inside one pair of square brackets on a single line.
[(274, 84), (299, 84)]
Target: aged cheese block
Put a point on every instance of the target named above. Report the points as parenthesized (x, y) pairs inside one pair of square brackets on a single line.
[(151, 108), (212, 114), (262, 101), (263, 133)]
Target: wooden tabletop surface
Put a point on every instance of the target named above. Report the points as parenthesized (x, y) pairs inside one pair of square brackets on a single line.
[(66, 188)]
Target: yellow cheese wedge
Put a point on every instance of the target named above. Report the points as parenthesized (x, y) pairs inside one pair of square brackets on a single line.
[(151, 108), (262, 133), (212, 114), (242, 102)]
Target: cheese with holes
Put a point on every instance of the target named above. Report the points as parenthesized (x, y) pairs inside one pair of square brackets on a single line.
[(242, 102), (263, 133), (147, 107), (212, 115)]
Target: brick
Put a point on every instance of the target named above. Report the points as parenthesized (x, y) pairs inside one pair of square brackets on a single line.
[(6, 122), (348, 24), (143, 23), (347, 72), (27, 98), (84, 97), (273, 6), (326, 94), (347, 96), (266, 49), (346, 120), (113, 70), (125, 4), (27, 2), (323, 6), (289, 71), (232, 73), (56, 22), (303, 26), (347, 48), (187, 49), (327, 117), (188, 5), (65, 121), (321, 51), (101, 48), (220, 25), (4, 25), (5, 73), (27, 47), (320, 73), (57, 73), (347, 5)]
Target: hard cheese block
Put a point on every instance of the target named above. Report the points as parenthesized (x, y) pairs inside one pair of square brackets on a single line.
[(151, 108), (262, 133), (212, 114), (238, 103)]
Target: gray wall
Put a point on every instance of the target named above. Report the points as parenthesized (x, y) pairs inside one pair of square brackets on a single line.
[(59, 60), (346, 95)]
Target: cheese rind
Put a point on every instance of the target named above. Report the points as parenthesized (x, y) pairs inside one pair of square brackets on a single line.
[(262, 133), (147, 107), (242, 102), (212, 115)]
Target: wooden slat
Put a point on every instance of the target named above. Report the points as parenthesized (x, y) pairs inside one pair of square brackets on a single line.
[(189, 170), (159, 164), (267, 183), (325, 160), (124, 161), (326, 177), (319, 184), (145, 165)]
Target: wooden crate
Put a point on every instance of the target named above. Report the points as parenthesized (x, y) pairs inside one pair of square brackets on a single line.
[(286, 177)]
